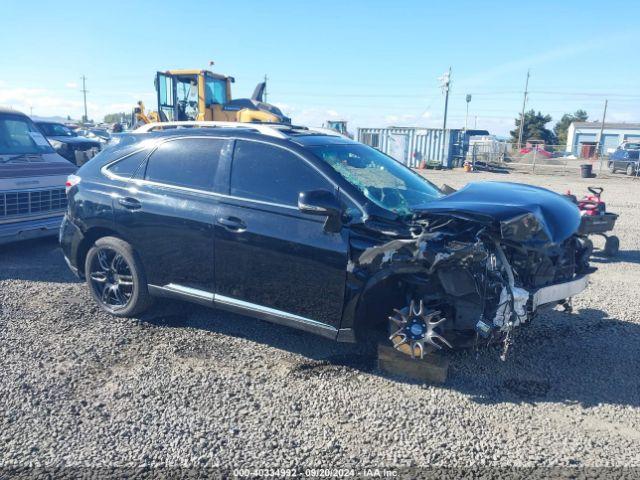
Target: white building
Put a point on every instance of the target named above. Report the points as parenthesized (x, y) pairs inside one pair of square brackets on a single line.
[(583, 136)]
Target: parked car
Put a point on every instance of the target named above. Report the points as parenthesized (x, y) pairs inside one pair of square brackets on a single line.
[(101, 135), (318, 232), (69, 144), (625, 158), (32, 180)]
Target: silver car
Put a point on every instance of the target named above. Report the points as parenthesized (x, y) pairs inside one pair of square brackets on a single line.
[(32, 180)]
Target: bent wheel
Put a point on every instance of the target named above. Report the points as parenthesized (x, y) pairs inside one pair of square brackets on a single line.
[(115, 277)]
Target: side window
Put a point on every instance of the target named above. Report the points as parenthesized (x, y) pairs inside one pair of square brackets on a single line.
[(187, 162), (128, 165), (272, 174)]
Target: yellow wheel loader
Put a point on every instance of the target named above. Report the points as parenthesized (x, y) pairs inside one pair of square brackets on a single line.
[(196, 95)]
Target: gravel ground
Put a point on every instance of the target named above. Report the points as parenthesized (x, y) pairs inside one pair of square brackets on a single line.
[(194, 386)]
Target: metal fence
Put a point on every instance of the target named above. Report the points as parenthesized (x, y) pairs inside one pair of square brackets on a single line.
[(490, 152)]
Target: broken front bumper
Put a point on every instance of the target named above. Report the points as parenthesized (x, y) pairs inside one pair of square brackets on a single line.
[(559, 291)]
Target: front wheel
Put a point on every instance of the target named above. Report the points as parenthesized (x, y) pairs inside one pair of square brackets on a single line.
[(116, 278), (612, 167)]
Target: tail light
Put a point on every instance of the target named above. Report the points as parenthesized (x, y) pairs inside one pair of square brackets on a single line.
[(72, 181)]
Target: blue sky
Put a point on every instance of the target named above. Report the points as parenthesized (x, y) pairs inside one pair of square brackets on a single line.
[(374, 63)]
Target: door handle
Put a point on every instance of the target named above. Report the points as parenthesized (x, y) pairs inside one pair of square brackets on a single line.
[(130, 203), (232, 223)]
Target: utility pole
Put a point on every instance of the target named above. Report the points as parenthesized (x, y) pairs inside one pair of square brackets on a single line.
[(265, 88), (604, 117), (446, 84), (84, 93), (524, 104), (466, 117)]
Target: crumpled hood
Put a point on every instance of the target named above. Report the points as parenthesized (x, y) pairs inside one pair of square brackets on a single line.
[(558, 217)]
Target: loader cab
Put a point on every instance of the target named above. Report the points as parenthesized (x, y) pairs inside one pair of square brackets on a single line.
[(185, 95)]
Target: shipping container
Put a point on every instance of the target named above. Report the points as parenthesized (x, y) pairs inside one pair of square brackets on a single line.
[(415, 146)]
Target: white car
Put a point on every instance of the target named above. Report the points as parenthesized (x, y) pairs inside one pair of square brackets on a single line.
[(32, 180)]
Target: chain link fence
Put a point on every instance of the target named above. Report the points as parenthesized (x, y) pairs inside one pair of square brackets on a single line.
[(531, 156)]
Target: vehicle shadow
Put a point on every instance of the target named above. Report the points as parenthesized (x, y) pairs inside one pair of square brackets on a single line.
[(35, 260), (584, 357), (628, 256)]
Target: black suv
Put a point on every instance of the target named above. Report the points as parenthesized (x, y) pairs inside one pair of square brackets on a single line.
[(319, 232)]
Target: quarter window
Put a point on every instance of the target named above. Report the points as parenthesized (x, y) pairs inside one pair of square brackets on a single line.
[(187, 162), (128, 165), (272, 174)]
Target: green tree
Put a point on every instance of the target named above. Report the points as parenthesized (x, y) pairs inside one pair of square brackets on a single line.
[(114, 117), (563, 125), (534, 128)]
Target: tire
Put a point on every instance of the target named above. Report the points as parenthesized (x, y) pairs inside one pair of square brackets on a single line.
[(116, 279), (612, 246), (612, 167), (630, 170)]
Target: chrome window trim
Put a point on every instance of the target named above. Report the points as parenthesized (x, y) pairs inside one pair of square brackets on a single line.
[(139, 181)]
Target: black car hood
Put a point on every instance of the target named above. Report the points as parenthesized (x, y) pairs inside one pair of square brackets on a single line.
[(73, 140), (503, 202)]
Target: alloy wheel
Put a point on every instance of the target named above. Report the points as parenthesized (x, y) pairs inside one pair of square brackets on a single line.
[(111, 279)]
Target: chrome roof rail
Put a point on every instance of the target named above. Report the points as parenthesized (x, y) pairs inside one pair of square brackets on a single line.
[(271, 130)]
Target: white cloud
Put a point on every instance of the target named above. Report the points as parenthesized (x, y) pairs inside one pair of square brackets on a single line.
[(71, 85)]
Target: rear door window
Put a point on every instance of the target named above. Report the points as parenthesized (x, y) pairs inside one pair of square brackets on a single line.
[(187, 162), (271, 174)]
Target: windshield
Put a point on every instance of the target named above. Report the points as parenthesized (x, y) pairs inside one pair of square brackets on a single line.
[(19, 135), (380, 178), (633, 146), (56, 130)]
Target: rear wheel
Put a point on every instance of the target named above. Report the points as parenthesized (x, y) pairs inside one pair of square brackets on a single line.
[(630, 170), (116, 278)]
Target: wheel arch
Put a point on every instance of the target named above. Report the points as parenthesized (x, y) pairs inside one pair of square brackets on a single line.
[(90, 236), (382, 293)]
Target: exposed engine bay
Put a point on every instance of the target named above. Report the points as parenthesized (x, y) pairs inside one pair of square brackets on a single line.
[(474, 273)]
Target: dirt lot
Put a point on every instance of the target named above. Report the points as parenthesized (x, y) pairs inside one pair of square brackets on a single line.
[(195, 386)]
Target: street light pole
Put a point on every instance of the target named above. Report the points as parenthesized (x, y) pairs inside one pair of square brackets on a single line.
[(84, 94), (466, 117), (446, 83)]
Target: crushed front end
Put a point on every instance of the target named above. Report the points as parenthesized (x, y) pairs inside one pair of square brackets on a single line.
[(479, 263)]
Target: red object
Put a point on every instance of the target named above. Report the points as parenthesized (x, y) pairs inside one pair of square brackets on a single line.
[(538, 151), (592, 204)]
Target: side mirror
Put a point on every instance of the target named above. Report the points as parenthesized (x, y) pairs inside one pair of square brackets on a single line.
[(324, 203)]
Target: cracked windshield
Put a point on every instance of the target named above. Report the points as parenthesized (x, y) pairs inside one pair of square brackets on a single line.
[(380, 178)]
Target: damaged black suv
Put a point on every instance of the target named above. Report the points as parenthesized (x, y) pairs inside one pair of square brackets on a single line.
[(318, 232)]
